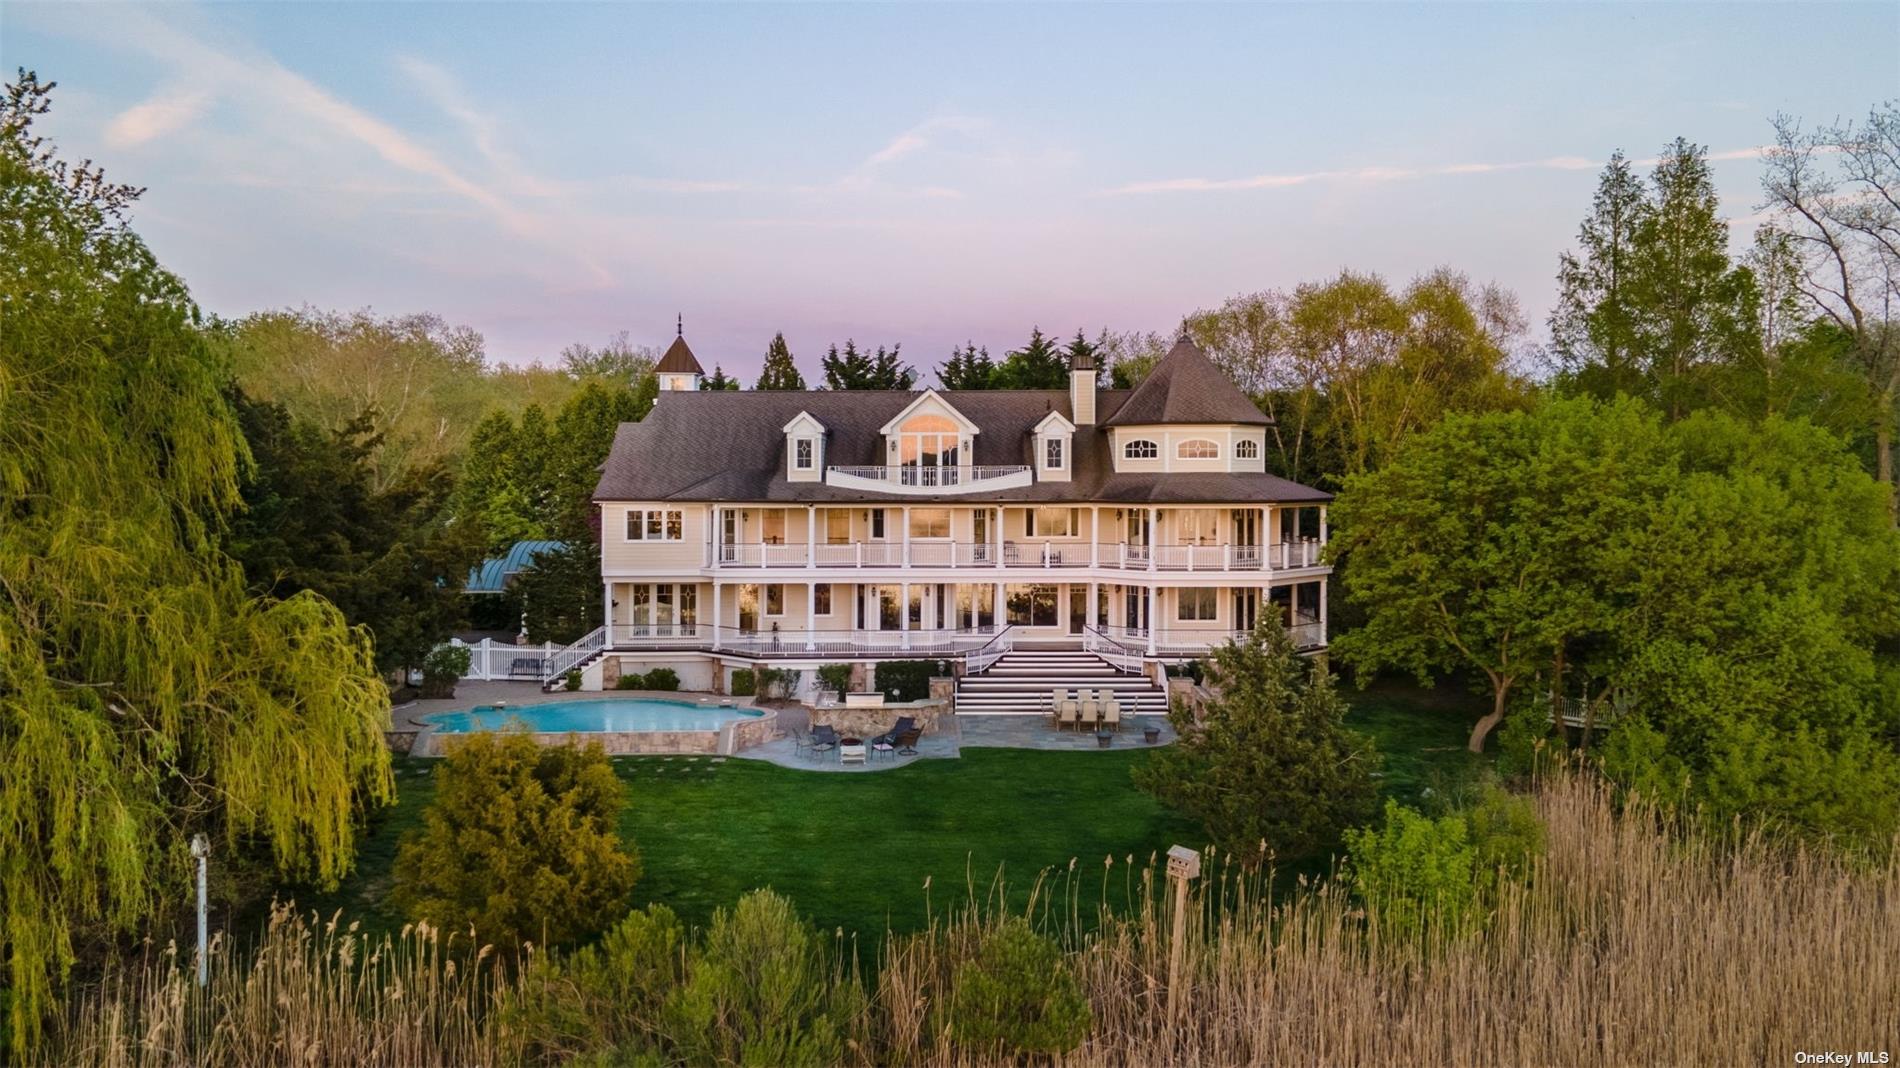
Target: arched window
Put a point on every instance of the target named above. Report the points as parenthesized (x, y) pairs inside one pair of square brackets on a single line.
[(1141, 449), (1197, 449), (927, 440), (1247, 449)]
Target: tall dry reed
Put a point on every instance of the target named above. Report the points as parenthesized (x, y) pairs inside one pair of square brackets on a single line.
[(1637, 938)]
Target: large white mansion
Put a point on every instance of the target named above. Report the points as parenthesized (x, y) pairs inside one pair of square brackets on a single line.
[(819, 527)]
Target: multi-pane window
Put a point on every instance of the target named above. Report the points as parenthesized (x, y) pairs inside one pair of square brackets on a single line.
[(772, 525), (1247, 449), (1140, 449), (837, 526), (877, 522), (1197, 449), (928, 441), (775, 599), (1031, 606), (821, 599), (1052, 454), (1049, 522), (930, 522), (655, 524), (1197, 602), (804, 453)]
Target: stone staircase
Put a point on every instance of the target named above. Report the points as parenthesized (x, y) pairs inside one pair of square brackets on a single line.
[(1020, 684)]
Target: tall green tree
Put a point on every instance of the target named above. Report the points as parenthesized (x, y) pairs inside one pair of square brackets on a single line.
[(853, 369), (779, 372), (1037, 365), (718, 381), (619, 361), (145, 696), (390, 559), (967, 368), (1271, 763), (1655, 308), (1592, 327)]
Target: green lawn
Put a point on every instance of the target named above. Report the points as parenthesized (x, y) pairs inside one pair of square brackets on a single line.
[(854, 850)]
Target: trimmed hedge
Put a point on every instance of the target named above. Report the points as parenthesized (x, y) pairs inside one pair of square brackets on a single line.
[(909, 680)]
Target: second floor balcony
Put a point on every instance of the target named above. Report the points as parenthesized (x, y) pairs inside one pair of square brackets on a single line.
[(1021, 554), (929, 478)]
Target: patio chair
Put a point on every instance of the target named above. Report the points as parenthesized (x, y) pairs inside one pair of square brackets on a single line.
[(1111, 712), (1057, 699), (904, 723), (824, 739), (1091, 708), (801, 740), (1070, 714), (907, 742)]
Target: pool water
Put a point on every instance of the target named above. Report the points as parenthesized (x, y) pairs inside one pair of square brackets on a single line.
[(606, 714)]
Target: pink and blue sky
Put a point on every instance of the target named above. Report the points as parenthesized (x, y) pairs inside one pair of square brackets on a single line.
[(925, 174)]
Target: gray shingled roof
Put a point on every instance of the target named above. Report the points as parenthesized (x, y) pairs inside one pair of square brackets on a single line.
[(1186, 387), (730, 446), (679, 360)]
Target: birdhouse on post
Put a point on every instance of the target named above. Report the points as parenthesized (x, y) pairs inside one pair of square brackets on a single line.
[(1183, 863)]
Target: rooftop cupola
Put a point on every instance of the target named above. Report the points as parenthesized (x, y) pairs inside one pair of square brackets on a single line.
[(1082, 387), (679, 369)]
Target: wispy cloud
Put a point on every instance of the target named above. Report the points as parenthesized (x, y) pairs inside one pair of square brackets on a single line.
[(162, 113), (1384, 174)]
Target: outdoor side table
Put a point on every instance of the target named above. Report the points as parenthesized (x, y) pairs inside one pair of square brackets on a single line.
[(851, 751)]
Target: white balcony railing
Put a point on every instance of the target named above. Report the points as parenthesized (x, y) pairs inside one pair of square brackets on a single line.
[(794, 643), (930, 477), (936, 553), (1306, 629)]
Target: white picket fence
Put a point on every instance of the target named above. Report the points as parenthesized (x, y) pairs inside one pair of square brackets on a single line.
[(490, 659)]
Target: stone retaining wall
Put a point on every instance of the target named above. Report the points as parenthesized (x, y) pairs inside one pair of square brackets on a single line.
[(870, 722)]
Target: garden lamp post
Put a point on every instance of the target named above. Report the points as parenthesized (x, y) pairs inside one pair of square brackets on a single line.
[(1183, 864), (201, 851)]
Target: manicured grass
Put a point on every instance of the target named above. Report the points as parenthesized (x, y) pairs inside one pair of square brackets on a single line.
[(854, 850)]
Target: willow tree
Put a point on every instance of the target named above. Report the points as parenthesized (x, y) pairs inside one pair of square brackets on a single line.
[(144, 697)]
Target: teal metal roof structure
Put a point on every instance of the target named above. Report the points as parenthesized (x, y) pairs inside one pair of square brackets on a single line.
[(491, 576)]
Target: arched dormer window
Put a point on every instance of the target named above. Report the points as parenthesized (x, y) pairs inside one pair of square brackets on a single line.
[(1140, 449), (927, 440), (1197, 449), (1247, 449)]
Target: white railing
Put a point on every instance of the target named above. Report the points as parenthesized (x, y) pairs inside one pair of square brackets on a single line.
[(1123, 656), (919, 475), (564, 660), (1022, 553), (1307, 633), (489, 659), (658, 635), (802, 643), (992, 651)]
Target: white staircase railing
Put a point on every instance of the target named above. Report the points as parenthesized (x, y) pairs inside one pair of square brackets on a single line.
[(564, 659), (992, 651), (1119, 656)]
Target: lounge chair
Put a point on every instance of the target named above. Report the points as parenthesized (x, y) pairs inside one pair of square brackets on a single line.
[(1091, 707), (1111, 712), (904, 723), (824, 738), (907, 742)]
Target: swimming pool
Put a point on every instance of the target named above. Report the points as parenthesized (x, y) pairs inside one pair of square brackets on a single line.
[(605, 714)]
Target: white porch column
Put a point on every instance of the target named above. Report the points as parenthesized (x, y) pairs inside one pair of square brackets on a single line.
[(1152, 612), (1154, 533), (1293, 605), (811, 536), (907, 539), (811, 614), (607, 614), (1322, 611), (903, 596), (1266, 537), (996, 537), (996, 606), (1095, 603), (717, 617), (1095, 539), (1322, 525)]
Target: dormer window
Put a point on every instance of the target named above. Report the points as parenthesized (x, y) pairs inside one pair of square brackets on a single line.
[(1050, 447), (1197, 449), (1052, 454), (804, 448), (803, 459), (1141, 449), (1247, 449)]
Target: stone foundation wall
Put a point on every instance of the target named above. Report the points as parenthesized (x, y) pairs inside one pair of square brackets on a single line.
[(401, 741)]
